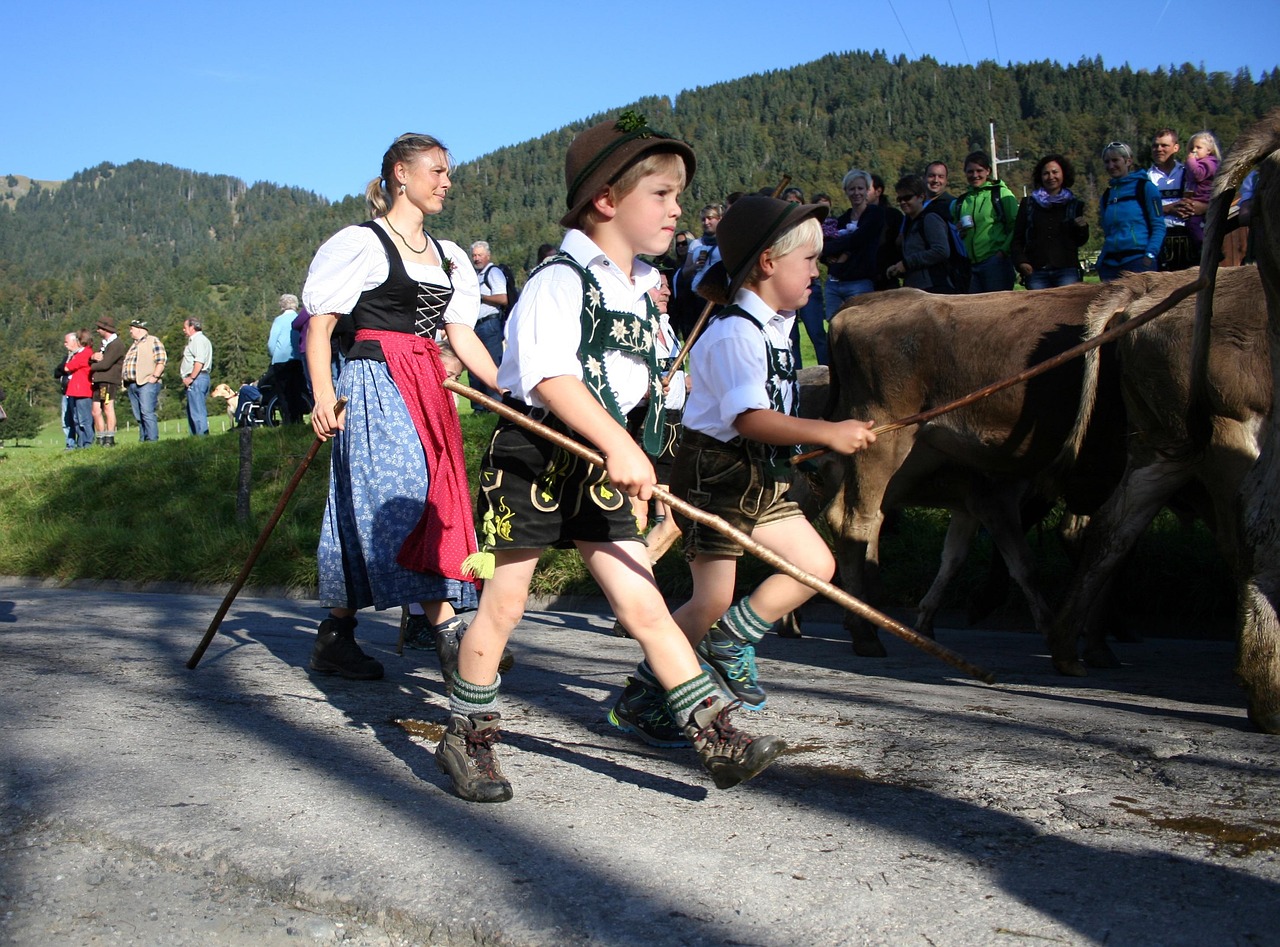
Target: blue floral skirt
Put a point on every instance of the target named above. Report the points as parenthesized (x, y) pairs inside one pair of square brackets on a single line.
[(377, 492)]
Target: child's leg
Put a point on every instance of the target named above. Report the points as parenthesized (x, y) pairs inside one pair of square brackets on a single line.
[(622, 570), (713, 581), (796, 541), (466, 752)]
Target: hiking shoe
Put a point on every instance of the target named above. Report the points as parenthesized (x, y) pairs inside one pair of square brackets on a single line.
[(466, 754), (336, 652), (732, 665), (448, 639), (643, 710), (730, 755), (416, 632)]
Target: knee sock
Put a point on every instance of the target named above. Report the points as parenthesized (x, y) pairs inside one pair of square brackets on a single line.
[(742, 623), (471, 698), (682, 699)]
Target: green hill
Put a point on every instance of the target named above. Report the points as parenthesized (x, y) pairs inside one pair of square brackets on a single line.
[(163, 243)]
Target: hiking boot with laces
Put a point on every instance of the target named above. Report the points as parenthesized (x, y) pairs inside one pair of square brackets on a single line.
[(730, 755), (448, 637), (732, 665), (643, 710), (466, 754), (416, 632), (336, 652)]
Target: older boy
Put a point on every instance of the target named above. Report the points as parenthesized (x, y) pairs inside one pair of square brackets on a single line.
[(579, 356)]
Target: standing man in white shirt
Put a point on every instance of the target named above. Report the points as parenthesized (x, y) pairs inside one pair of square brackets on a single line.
[(493, 304), (1166, 173), (197, 359)]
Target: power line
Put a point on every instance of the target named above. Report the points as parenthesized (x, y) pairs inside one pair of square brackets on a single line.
[(956, 21), (905, 35), (995, 39)]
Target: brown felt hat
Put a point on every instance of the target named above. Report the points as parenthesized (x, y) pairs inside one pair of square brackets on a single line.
[(107, 323), (598, 156), (752, 225)]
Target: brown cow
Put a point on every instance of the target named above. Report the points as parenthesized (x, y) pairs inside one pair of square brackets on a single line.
[(1258, 661), (1162, 459), (897, 353)]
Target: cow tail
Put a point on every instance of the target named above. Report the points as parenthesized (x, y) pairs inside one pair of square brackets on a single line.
[(1256, 143)]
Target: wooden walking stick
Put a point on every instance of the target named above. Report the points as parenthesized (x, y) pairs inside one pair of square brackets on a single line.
[(839, 596), (1102, 338), (238, 584)]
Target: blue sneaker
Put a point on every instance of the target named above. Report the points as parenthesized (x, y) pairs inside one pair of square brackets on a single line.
[(732, 665), (642, 710)]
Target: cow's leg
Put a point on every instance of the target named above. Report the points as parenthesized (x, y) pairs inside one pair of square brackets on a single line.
[(1108, 538), (998, 506), (955, 550), (857, 550), (1258, 663)]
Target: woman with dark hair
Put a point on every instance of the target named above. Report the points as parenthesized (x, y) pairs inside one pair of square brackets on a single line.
[(851, 254), (985, 216), (1131, 216), (1050, 228), (926, 242), (398, 523)]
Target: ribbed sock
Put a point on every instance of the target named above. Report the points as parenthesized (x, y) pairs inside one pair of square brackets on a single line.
[(683, 698), (468, 698), (743, 624)]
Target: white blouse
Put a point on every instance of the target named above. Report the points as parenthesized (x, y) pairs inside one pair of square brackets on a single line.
[(353, 261)]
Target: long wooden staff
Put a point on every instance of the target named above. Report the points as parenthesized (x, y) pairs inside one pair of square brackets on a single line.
[(238, 584), (839, 596), (706, 310), (1102, 338)]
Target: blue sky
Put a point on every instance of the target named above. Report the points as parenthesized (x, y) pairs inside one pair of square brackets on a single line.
[(310, 94)]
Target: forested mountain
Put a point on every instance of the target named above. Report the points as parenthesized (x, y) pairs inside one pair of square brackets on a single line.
[(162, 243)]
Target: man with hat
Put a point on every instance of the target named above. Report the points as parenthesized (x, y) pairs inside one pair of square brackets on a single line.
[(141, 370), (579, 357), (106, 382)]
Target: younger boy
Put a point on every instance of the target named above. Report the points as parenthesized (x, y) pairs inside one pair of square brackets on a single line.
[(740, 430), (579, 356)]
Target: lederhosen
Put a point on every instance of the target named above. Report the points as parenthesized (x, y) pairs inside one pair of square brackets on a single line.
[(534, 494), (740, 480)]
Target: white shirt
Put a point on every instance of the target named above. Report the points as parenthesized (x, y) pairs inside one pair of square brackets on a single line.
[(496, 285), (1171, 182), (730, 367), (545, 329), (353, 261)]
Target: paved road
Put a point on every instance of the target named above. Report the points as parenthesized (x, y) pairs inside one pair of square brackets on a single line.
[(251, 803)]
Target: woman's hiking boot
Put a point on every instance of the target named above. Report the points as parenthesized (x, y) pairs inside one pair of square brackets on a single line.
[(416, 632), (336, 652), (466, 754)]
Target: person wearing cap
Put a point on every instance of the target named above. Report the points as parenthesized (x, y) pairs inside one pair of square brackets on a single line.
[(579, 356), (398, 522), (140, 371), (740, 432), (106, 382)]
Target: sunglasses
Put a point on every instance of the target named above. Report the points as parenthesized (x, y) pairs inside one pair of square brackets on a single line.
[(682, 243)]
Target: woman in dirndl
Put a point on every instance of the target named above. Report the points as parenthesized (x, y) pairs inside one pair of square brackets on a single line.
[(398, 522)]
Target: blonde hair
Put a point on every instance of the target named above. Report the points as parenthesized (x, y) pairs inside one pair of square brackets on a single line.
[(1208, 137), (378, 193), (806, 235), (656, 162)]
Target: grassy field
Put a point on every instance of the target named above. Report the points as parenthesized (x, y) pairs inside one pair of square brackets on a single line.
[(166, 512)]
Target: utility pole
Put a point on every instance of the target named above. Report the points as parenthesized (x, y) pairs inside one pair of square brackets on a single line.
[(996, 161)]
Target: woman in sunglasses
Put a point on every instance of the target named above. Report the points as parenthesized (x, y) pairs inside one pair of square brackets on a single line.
[(1131, 216)]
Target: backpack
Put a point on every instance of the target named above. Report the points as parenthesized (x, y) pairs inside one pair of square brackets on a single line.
[(512, 292), (959, 270)]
